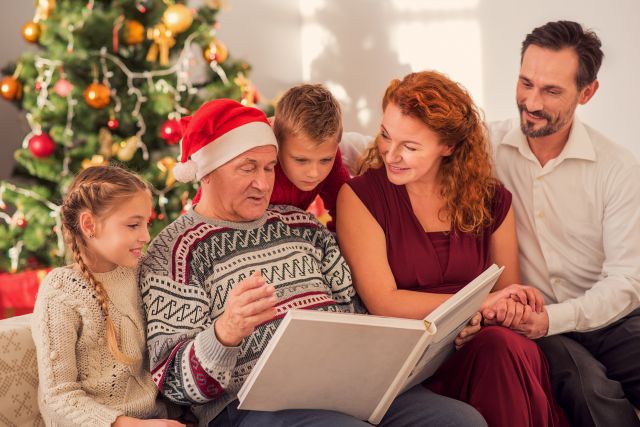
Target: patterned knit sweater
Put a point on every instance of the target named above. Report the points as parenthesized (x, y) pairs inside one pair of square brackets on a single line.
[(187, 274), (81, 384)]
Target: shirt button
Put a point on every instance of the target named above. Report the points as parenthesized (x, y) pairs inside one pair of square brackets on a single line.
[(53, 355), (100, 341)]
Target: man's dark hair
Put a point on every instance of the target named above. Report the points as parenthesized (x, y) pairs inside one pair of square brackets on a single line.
[(562, 34)]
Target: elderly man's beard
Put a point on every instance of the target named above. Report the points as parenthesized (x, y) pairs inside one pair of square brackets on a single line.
[(552, 126)]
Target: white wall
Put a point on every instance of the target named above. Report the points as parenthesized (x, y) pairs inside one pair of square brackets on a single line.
[(358, 46), (13, 125)]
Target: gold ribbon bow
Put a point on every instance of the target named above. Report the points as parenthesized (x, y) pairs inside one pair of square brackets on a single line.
[(163, 40)]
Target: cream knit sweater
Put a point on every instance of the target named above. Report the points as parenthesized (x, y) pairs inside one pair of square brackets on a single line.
[(81, 384)]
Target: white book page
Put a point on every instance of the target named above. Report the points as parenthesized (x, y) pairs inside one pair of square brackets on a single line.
[(332, 361)]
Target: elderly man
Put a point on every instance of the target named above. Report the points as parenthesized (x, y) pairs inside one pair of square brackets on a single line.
[(577, 205), (216, 282)]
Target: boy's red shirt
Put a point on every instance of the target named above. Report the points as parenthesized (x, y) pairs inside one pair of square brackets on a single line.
[(285, 193)]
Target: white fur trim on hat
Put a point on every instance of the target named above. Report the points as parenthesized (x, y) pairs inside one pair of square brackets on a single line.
[(185, 172), (231, 145)]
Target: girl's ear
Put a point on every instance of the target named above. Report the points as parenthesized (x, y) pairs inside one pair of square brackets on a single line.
[(87, 224)]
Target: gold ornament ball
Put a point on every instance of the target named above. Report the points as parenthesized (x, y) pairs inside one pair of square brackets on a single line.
[(216, 51), (134, 32), (177, 18), (31, 32), (10, 88), (96, 95)]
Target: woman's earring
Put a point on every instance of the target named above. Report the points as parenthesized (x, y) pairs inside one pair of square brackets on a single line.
[(91, 236)]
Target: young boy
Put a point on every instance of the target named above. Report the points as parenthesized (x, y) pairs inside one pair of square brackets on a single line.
[(308, 127)]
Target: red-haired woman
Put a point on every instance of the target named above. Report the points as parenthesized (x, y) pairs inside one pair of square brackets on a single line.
[(427, 217)]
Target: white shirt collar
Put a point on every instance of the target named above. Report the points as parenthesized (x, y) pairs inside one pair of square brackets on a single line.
[(578, 146)]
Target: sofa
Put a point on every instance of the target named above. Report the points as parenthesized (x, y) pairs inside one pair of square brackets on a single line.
[(18, 374)]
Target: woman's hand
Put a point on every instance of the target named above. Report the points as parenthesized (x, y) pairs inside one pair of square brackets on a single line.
[(123, 421), (512, 305), (469, 331), (507, 312)]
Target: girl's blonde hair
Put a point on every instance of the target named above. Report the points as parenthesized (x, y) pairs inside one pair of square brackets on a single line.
[(466, 176), (98, 190)]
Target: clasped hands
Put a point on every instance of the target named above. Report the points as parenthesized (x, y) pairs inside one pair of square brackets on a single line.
[(518, 307)]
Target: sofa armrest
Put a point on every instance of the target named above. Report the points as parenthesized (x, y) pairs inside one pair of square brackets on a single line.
[(18, 374)]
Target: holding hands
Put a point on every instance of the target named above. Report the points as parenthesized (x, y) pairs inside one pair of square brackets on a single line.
[(518, 307), (511, 305), (250, 304)]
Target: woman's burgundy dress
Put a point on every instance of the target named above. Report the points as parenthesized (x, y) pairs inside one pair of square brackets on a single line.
[(502, 374)]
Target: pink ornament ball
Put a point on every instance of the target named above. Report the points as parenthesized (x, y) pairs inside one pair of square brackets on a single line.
[(63, 88)]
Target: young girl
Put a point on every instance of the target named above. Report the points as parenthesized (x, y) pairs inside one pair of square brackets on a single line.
[(88, 323)]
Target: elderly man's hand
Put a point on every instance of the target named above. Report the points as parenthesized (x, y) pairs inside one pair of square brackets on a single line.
[(250, 304)]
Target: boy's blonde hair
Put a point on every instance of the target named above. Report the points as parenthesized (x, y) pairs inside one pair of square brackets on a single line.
[(309, 110), (98, 189)]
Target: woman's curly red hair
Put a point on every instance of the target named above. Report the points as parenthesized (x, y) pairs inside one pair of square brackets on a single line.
[(466, 176)]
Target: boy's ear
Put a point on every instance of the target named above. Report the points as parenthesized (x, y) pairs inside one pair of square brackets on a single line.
[(87, 224)]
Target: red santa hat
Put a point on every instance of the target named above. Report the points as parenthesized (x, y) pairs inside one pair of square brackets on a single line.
[(219, 131)]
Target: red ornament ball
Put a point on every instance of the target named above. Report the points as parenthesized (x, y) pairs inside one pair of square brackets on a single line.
[(41, 145), (113, 124), (161, 217), (21, 222), (152, 217), (171, 132)]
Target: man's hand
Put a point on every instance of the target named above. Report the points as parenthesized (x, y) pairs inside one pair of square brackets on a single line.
[(250, 304), (535, 327), (469, 331)]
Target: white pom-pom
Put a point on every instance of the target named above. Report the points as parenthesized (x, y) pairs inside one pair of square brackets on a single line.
[(185, 172)]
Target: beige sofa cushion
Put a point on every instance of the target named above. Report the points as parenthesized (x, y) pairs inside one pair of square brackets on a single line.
[(18, 374)]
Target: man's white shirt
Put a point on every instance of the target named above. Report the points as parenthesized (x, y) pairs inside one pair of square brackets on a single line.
[(578, 224)]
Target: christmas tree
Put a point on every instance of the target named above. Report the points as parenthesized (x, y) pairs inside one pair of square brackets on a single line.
[(109, 84)]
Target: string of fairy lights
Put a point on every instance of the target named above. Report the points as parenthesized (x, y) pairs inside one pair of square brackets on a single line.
[(162, 39)]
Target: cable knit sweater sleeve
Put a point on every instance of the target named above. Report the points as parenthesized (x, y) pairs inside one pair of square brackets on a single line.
[(56, 325)]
